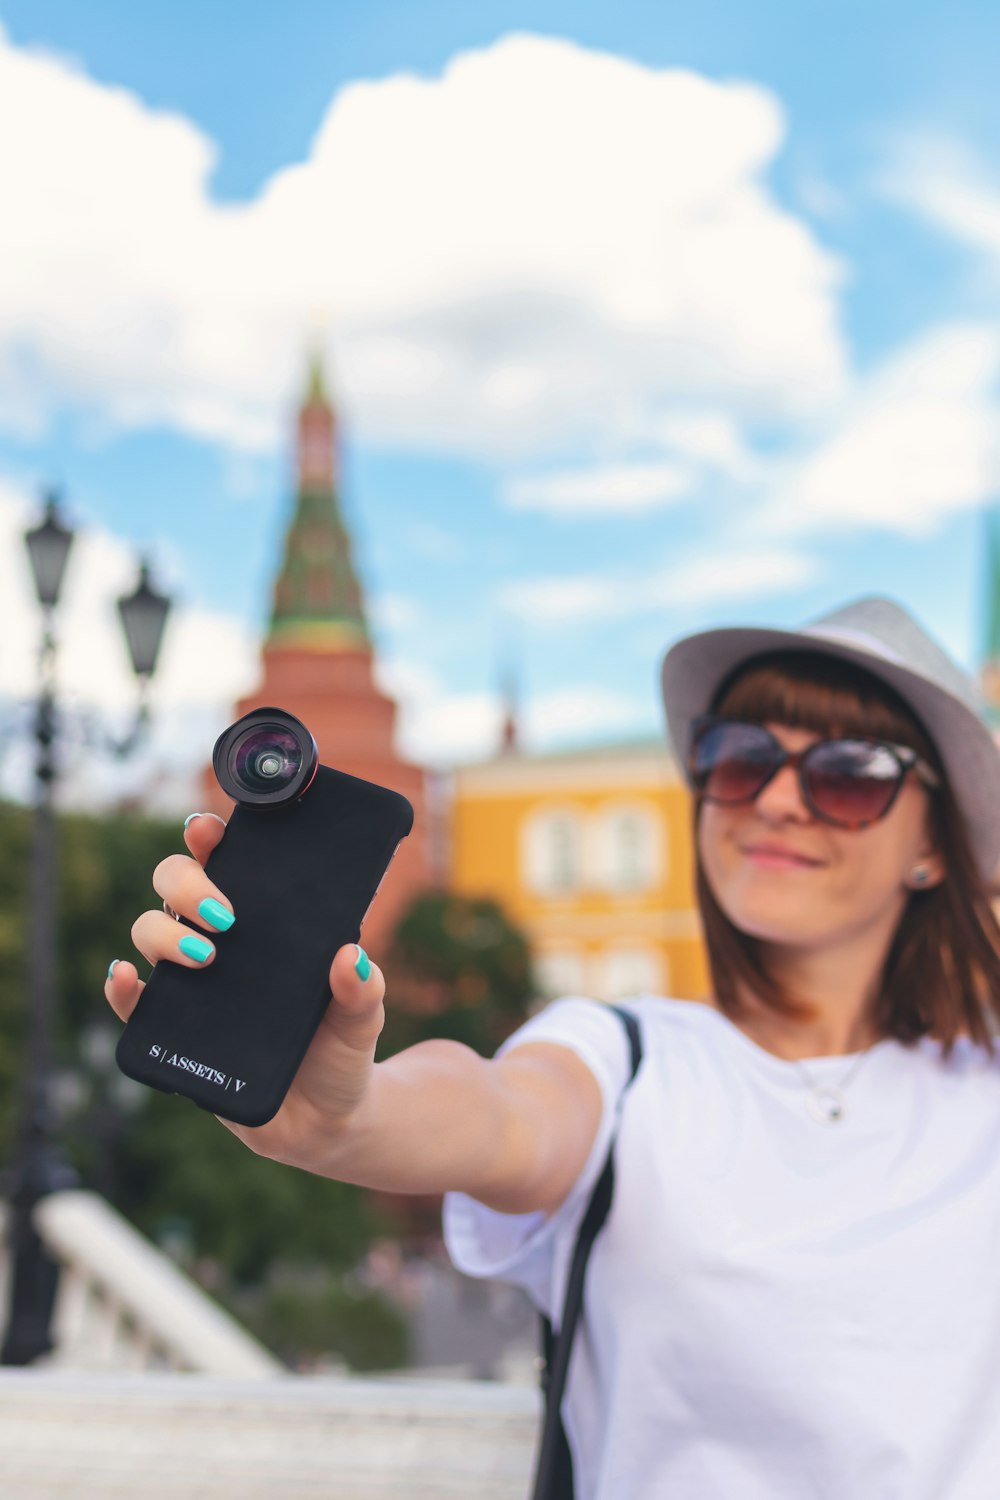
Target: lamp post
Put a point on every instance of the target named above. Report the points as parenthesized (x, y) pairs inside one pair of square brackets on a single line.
[(143, 614), (39, 1168)]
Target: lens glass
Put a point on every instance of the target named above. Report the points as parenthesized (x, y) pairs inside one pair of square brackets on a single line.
[(731, 762), (266, 759), (851, 782)]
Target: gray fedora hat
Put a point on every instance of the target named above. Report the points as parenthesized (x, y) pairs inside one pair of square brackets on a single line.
[(881, 637)]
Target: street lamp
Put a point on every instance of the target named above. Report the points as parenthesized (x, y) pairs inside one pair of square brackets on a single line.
[(38, 1168), (48, 547), (143, 614)]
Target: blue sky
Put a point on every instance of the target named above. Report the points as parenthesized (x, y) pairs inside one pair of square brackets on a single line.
[(641, 319)]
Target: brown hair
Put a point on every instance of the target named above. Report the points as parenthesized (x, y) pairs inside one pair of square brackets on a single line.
[(942, 972)]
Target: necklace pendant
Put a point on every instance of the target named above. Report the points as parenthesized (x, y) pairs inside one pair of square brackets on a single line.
[(826, 1104)]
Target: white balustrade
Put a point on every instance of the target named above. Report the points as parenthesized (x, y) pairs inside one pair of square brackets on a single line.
[(123, 1305), (79, 1426)]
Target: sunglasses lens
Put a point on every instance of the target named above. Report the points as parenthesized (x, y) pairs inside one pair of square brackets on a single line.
[(731, 762), (851, 782)]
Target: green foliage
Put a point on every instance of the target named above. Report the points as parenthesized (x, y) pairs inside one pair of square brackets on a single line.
[(459, 969), (105, 875), (301, 1322), (180, 1171)]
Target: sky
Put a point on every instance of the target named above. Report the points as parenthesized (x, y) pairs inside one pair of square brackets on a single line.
[(639, 319)]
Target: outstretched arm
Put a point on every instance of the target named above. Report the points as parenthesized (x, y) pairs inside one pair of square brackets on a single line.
[(514, 1132)]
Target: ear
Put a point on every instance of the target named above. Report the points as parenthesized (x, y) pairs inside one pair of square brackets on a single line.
[(927, 868), (927, 871)]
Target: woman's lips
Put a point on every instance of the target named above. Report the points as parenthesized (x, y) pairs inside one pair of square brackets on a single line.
[(771, 857)]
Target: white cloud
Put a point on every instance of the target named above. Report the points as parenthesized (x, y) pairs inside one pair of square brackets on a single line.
[(919, 442), (562, 599), (713, 440), (393, 613), (819, 197), (754, 572), (633, 488), (577, 714), (444, 729), (500, 274), (406, 679), (439, 729), (757, 573), (438, 544), (940, 178), (696, 443)]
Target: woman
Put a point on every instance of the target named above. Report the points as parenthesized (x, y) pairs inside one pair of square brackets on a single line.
[(797, 1292)]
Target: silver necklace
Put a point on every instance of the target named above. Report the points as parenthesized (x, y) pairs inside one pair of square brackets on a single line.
[(826, 1102)]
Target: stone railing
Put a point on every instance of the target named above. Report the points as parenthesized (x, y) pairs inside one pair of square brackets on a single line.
[(115, 1413), (173, 1437), (123, 1305)]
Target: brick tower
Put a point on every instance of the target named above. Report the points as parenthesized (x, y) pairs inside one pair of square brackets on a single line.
[(317, 661)]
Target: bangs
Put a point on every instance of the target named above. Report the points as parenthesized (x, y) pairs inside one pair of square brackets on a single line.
[(810, 690)]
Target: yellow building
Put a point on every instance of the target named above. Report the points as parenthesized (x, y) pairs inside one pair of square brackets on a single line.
[(589, 853)]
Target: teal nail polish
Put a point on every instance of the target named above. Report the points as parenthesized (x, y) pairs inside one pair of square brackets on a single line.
[(196, 947), (216, 914), (187, 820), (111, 966), (363, 964)]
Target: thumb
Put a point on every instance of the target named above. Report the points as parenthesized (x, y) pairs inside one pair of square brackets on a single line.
[(358, 989)]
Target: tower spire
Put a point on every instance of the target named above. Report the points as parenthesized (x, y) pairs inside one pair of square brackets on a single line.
[(317, 597), (319, 664), (510, 729)]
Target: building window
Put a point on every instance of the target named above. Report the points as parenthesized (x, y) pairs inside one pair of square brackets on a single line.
[(630, 867), (628, 849), (632, 971), (551, 853), (559, 972)]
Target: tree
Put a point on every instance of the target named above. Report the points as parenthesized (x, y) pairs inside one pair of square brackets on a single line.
[(457, 968)]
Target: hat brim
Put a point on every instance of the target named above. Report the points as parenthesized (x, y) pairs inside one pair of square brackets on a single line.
[(695, 668)]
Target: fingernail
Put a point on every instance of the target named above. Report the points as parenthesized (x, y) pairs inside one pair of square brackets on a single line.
[(363, 964), (196, 947), (216, 914), (111, 967), (187, 820)]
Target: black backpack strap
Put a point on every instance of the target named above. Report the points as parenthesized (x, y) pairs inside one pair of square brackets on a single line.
[(554, 1468)]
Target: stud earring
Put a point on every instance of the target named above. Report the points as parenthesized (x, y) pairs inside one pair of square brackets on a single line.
[(920, 875)]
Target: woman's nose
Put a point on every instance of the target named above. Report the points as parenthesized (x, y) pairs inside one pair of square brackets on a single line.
[(782, 797)]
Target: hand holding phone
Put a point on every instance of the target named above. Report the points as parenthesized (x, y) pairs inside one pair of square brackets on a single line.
[(298, 865), (334, 1073)]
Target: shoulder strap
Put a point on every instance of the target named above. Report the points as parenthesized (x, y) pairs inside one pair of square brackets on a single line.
[(554, 1470)]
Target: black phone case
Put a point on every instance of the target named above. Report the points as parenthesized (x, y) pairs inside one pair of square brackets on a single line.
[(300, 880)]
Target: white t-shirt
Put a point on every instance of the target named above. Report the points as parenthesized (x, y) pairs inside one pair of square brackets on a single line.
[(776, 1309)]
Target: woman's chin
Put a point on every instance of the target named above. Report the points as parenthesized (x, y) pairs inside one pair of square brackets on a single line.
[(783, 923)]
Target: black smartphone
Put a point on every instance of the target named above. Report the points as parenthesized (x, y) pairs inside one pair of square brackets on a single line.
[(303, 854)]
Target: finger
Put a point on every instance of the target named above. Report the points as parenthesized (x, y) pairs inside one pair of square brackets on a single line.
[(123, 987), (202, 831), (183, 884), (158, 936), (358, 989)]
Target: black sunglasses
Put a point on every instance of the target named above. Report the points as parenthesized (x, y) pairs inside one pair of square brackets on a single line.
[(848, 782)]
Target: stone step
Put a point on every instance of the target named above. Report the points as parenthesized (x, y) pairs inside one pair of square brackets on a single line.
[(191, 1437)]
